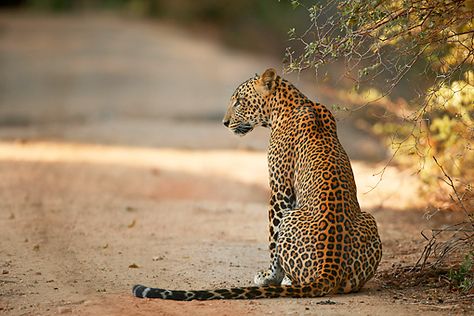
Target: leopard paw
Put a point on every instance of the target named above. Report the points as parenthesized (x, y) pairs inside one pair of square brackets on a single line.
[(286, 281), (267, 277)]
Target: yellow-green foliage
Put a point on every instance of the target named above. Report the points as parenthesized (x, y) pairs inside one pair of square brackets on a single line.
[(445, 131)]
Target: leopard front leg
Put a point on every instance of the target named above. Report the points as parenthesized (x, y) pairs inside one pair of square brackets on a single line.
[(283, 199), (280, 203)]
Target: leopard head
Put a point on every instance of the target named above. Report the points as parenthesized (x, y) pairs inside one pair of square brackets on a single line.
[(249, 106)]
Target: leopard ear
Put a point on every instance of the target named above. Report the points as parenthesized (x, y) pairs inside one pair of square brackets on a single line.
[(266, 82), (268, 77)]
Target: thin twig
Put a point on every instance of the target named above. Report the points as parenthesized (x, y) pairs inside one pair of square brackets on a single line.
[(451, 184)]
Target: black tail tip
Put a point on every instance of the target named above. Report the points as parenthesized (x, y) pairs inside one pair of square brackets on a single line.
[(138, 291)]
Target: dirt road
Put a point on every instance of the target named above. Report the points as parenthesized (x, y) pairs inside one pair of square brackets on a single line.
[(114, 169)]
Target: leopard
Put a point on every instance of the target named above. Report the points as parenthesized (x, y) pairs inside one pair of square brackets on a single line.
[(320, 242)]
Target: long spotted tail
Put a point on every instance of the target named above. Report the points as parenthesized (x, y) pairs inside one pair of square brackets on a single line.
[(231, 293)]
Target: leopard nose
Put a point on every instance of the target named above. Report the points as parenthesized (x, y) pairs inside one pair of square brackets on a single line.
[(226, 123)]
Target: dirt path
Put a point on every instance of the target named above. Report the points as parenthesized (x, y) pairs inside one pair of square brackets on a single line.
[(108, 177)]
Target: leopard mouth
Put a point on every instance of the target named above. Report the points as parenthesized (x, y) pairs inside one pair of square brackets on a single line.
[(242, 129)]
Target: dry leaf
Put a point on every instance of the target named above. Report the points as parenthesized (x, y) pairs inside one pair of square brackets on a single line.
[(132, 224)]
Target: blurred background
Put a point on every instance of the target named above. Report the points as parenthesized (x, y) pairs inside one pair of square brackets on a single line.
[(148, 73)]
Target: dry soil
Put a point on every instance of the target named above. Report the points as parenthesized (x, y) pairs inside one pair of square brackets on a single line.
[(115, 170)]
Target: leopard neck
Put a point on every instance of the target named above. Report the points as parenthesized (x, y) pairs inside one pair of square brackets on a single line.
[(283, 100), (286, 98)]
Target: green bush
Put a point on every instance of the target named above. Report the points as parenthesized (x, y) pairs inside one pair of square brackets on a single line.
[(463, 276)]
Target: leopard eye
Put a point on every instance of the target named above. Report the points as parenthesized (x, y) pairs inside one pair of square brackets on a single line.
[(237, 103)]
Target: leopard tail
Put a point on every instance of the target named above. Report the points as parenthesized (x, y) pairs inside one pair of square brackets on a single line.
[(254, 292)]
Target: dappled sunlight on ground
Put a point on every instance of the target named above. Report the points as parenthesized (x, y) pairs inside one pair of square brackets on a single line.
[(379, 185), (243, 166)]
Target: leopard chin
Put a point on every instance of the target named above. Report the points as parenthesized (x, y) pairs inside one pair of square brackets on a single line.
[(242, 129)]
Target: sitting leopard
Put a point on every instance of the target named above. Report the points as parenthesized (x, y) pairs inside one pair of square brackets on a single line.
[(320, 241)]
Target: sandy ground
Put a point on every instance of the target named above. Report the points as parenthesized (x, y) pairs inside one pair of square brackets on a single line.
[(115, 170)]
